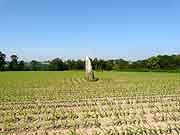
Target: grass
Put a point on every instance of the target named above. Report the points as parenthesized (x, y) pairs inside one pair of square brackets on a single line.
[(71, 85), (61, 103)]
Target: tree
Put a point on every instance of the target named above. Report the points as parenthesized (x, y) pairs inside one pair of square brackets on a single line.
[(108, 65), (80, 65), (95, 64), (2, 61), (34, 65), (99, 64), (21, 66), (177, 60), (167, 62), (56, 65), (13, 65), (120, 64), (102, 65), (69, 64), (153, 63)]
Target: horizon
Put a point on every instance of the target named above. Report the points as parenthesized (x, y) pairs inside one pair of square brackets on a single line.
[(29, 60), (131, 30)]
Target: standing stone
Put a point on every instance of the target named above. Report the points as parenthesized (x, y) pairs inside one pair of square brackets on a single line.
[(89, 71)]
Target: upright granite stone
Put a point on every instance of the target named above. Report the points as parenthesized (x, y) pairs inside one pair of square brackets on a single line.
[(89, 71)]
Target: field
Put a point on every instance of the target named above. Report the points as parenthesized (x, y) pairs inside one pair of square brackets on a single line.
[(54, 103)]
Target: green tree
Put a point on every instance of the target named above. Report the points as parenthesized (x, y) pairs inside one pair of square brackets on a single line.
[(69, 65), (34, 65), (13, 65), (80, 65), (2, 61), (167, 62), (108, 65), (120, 64), (99, 64), (56, 65), (177, 60), (21, 66), (95, 64), (153, 63)]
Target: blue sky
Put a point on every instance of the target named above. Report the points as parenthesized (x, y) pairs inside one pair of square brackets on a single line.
[(130, 29)]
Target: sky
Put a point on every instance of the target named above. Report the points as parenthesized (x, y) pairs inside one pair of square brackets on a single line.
[(73, 29)]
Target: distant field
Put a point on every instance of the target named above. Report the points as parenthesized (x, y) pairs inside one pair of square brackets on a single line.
[(55, 103), (30, 86)]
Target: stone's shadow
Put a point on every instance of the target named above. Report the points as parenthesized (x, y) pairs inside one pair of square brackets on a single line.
[(94, 80)]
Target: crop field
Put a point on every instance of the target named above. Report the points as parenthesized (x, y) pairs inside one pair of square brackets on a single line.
[(60, 103)]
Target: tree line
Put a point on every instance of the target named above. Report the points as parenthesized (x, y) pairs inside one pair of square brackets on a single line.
[(155, 63)]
